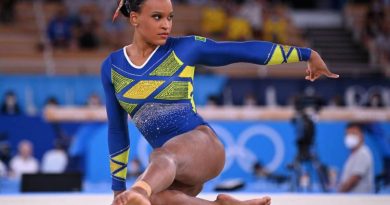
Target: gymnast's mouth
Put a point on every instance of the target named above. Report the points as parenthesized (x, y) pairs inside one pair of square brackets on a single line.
[(164, 35)]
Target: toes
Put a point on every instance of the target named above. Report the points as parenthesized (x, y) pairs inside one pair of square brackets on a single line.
[(224, 197), (267, 200)]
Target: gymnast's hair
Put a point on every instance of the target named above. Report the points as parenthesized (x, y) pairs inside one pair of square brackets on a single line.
[(131, 5)]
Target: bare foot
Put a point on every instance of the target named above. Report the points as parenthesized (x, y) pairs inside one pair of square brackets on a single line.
[(132, 197), (224, 199)]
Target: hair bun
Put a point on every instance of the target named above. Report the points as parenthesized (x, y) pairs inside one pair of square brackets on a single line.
[(126, 8)]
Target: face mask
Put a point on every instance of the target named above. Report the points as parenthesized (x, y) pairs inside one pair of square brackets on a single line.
[(351, 141)]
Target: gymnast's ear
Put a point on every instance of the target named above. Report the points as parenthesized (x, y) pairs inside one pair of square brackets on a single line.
[(134, 18)]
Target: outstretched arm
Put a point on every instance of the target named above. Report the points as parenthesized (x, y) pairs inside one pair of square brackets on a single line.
[(317, 67), (214, 53), (118, 134)]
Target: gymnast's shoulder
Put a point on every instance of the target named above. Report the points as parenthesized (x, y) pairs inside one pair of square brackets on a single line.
[(190, 40)]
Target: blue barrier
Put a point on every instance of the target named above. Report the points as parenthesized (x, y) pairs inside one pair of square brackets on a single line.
[(273, 143)]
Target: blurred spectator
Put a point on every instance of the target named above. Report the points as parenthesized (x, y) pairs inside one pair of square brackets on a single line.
[(212, 100), (75, 6), (275, 26), (336, 101), (5, 151), (86, 28), (214, 20), (358, 174), (59, 29), (3, 170), (114, 33), (24, 162), (239, 29), (382, 138), (51, 101), (375, 19), (7, 11), (55, 160), (10, 105), (252, 11), (375, 101), (94, 101), (250, 100), (135, 168), (383, 44)]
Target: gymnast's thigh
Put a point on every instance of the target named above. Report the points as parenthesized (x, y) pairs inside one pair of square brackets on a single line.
[(199, 155)]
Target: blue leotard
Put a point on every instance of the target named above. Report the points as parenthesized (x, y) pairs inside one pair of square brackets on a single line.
[(159, 95)]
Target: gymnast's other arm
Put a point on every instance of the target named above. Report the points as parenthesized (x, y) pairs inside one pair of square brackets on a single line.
[(212, 53), (118, 134)]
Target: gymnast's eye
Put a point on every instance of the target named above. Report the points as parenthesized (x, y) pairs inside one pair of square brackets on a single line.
[(170, 17), (156, 16)]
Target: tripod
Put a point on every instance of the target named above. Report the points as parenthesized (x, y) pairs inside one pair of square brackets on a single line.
[(302, 178)]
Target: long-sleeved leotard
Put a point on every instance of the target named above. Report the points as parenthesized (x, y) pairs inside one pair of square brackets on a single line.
[(159, 94)]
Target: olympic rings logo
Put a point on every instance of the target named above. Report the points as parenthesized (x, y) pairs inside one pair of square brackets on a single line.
[(235, 149)]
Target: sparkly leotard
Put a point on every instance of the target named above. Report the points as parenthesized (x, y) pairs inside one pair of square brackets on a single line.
[(159, 94)]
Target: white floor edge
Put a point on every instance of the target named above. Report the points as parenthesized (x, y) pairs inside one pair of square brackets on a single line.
[(277, 199)]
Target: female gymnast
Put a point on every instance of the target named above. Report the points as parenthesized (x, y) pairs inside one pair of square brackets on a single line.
[(152, 81)]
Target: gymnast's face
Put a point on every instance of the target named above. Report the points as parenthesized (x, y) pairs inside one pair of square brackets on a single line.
[(154, 21)]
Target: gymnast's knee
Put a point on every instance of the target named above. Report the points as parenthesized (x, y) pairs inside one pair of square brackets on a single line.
[(165, 155)]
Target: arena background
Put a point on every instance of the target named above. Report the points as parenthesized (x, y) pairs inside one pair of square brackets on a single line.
[(50, 56)]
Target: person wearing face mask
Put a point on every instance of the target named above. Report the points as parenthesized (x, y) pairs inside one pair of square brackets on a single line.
[(358, 173)]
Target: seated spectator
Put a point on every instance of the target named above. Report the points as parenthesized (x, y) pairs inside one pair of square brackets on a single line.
[(252, 11), (212, 101), (276, 26), (55, 160), (383, 44), (375, 101), (7, 11), (10, 105), (214, 21), (86, 28), (239, 29), (336, 101), (114, 33), (135, 168), (24, 162), (3, 170), (358, 172), (250, 100), (372, 30), (59, 30), (5, 150), (94, 101), (51, 101)]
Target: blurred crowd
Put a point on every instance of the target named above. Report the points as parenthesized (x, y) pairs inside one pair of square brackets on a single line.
[(370, 22), (377, 32), (248, 19), (87, 24), (57, 160)]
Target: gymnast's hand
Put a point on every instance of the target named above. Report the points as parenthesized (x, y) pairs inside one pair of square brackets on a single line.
[(317, 67)]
